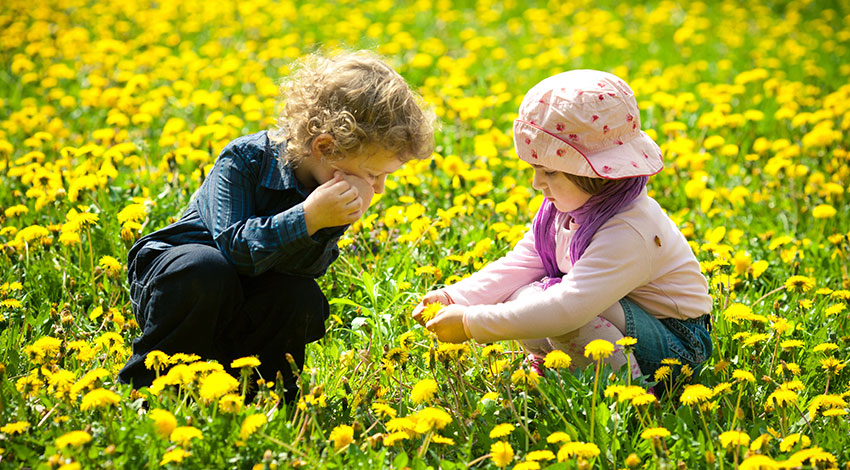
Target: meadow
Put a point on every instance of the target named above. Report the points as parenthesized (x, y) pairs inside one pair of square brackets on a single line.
[(114, 112)]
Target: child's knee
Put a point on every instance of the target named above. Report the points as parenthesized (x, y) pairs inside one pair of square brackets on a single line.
[(204, 272)]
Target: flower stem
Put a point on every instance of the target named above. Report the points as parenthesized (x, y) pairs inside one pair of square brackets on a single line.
[(593, 399)]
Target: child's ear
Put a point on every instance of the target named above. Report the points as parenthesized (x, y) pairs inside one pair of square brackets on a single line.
[(323, 145)]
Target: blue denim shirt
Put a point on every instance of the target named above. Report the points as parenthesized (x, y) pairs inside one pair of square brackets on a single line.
[(251, 207)]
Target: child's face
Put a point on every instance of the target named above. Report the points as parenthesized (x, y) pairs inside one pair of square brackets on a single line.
[(372, 165), (564, 194)]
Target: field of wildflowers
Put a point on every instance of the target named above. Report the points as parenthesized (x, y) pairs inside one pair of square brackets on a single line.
[(113, 113)]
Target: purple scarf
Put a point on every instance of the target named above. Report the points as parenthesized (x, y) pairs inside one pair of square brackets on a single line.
[(595, 212)]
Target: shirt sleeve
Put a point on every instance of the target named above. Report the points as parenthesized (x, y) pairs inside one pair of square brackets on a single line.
[(227, 208), (616, 262), (498, 280)]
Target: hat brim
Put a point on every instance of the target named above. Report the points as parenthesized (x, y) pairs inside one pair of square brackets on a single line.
[(638, 156)]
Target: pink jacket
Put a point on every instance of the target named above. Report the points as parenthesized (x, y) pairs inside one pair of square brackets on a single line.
[(639, 253)]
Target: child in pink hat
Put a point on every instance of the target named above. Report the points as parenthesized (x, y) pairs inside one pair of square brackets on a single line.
[(602, 259)]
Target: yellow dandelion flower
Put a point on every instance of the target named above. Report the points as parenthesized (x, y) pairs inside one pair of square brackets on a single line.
[(755, 339), (73, 439), (164, 422), (538, 455), (832, 364), (799, 284), (557, 359), (397, 355), (216, 385), (183, 435), (430, 311), (17, 427), (742, 376), (654, 433), (401, 424), (17, 210), (181, 374), (644, 399), (342, 436), (384, 409), (156, 360), (759, 462), (662, 373), (249, 362), (443, 440), (423, 391), (627, 341), (782, 397), (501, 430), (834, 309), (405, 340), (492, 351), (823, 347), (111, 265), (175, 455), (501, 453), (524, 378), (392, 438), (721, 388), (558, 436), (184, 358), (598, 349), (527, 465), (586, 450), (99, 398), (11, 304), (231, 403), (734, 438), (791, 440), (429, 419), (823, 211), (250, 425), (693, 394)]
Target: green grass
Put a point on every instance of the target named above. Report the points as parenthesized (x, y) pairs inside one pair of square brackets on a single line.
[(751, 204)]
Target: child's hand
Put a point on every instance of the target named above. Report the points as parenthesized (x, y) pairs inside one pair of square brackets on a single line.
[(435, 296), (334, 203), (448, 324), (364, 189)]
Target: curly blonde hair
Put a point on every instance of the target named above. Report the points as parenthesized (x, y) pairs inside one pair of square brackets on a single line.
[(359, 100)]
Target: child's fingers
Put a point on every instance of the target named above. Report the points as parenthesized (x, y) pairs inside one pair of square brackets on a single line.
[(417, 313)]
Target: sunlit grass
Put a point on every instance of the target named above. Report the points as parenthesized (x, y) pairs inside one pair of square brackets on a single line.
[(113, 114)]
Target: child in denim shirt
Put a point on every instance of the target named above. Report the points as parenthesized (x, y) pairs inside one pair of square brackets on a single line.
[(235, 276)]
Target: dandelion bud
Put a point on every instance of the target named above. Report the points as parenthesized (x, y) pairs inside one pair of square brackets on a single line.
[(110, 449), (583, 464), (2, 369), (709, 457), (739, 412), (60, 193), (681, 465), (268, 456), (633, 461)]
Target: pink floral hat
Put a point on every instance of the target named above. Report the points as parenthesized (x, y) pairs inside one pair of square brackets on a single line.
[(586, 123)]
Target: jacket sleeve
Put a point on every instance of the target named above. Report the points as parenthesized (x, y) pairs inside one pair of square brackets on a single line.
[(227, 208), (498, 280), (616, 262)]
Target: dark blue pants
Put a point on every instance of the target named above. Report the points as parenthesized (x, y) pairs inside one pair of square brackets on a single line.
[(189, 299)]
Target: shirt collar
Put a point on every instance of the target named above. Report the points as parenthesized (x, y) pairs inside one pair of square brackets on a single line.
[(276, 174)]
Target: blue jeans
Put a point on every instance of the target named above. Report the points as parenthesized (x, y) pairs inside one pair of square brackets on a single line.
[(688, 341), (189, 299)]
